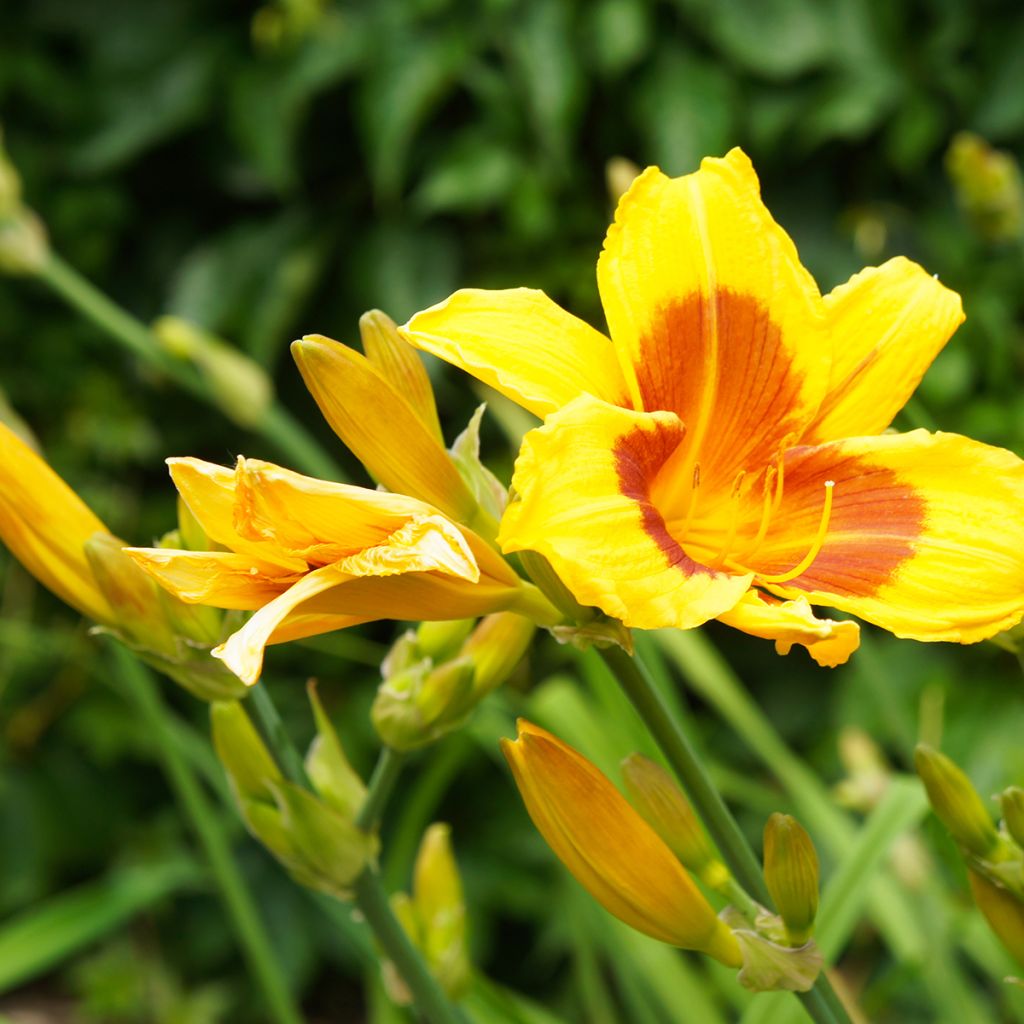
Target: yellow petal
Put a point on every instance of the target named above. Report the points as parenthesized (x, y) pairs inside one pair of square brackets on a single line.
[(398, 362), (887, 325), (45, 525), (522, 344), (582, 501), (830, 643), (925, 538), (613, 853), (380, 427), (713, 316)]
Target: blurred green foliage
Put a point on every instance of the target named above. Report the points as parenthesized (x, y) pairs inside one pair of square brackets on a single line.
[(276, 172)]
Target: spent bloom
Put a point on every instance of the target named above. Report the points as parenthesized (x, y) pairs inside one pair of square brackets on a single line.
[(725, 453)]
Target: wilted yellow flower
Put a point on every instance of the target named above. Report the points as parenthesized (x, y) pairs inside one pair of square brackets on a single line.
[(731, 432), (309, 556), (612, 852)]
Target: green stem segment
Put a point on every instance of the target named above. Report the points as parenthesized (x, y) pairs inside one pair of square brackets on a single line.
[(277, 424), (248, 926), (370, 897), (821, 1002)]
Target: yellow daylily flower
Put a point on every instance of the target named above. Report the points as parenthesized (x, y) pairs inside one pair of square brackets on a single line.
[(730, 434), (309, 556), (610, 850), (46, 527)]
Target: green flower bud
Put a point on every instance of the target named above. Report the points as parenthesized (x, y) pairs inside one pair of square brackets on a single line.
[(1003, 911), (663, 805), (419, 704), (1012, 803), (328, 768), (490, 493), (791, 873), (956, 802), (440, 641), (495, 648), (988, 187)]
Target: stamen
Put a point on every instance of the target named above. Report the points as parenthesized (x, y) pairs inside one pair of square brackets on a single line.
[(819, 540), (692, 504), (734, 519), (768, 505)]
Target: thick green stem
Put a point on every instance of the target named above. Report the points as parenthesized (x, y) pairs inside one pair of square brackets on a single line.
[(821, 1002), (370, 897), (277, 424), (241, 908)]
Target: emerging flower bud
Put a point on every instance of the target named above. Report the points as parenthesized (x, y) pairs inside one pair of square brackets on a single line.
[(988, 187), (1003, 911), (956, 802), (1012, 802), (663, 805), (791, 873)]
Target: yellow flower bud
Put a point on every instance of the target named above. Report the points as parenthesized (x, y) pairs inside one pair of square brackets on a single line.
[(1012, 803), (1003, 911), (612, 852), (791, 873), (663, 805), (956, 802)]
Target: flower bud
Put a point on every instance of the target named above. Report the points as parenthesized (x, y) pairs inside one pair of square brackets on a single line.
[(440, 641), (791, 873), (619, 173), (490, 493), (955, 802), (239, 384), (320, 847), (1012, 803), (328, 768), (441, 910), (495, 648), (1003, 911), (23, 245), (664, 807), (988, 187)]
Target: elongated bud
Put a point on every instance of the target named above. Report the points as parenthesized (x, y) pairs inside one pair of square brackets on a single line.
[(442, 640), (791, 873), (490, 493), (956, 802), (24, 248), (240, 385), (441, 910), (495, 648), (1003, 911), (664, 807), (328, 768), (399, 363), (320, 847), (191, 535), (1012, 803)]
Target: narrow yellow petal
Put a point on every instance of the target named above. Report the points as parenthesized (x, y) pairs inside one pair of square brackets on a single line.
[(380, 427), (887, 324), (522, 344), (609, 848), (829, 643), (45, 525)]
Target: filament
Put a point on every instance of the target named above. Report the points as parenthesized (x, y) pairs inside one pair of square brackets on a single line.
[(692, 504), (734, 519), (816, 546), (768, 506)]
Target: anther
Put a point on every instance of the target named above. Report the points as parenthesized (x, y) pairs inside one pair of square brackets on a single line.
[(819, 540)]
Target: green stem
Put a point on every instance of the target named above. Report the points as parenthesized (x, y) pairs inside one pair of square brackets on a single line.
[(821, 1002), (248, 926), (277, 424), (369, 894)]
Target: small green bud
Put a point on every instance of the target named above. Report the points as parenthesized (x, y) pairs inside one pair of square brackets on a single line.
[(239, 384), (1012, 803), (663, 805), (791, 873), (1003, 911), (328, 768), (416, 706), (495, 648), (488, 490), (988, 187), (440, 641), (956, 802), (252, 771), (192, 537)]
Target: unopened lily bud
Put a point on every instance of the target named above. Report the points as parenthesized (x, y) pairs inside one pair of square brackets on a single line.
[(956, 802), (540, 570), (328, 768), (791, 873), (1003, 911), (442, 640), (404, 909), (1012, 803), (23, 245), (191, 535), (663, 805), (320, 847), (495, 648), (490, 493), (441, 910), (398, 362), (988, 187), (417, 705), (240, 385), (131, 594)]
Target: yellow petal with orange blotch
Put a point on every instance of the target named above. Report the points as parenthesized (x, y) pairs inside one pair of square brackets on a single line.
[(925, 536), (582, 500), (714, 317), (381, 428), (522, 344), (610, 850), (887, 324), (45, 525), (830, 643)]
